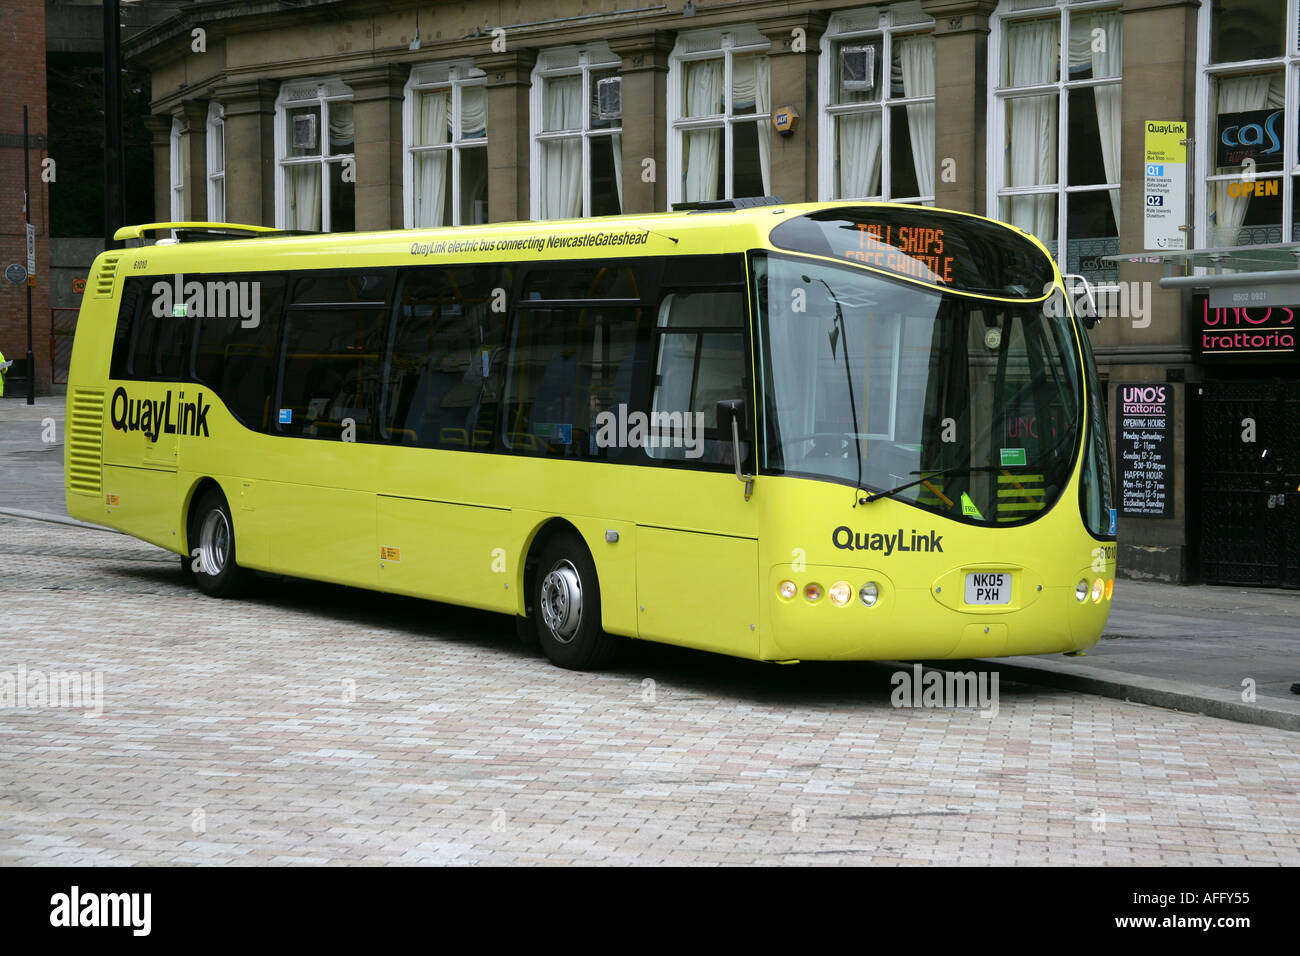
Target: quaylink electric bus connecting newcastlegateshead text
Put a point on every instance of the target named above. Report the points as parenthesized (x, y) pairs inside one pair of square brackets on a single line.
[(548, 419)]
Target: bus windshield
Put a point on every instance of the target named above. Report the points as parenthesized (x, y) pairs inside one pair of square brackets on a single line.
[(878, 382)]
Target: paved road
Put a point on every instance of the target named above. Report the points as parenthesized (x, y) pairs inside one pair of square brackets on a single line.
[(314, 723)]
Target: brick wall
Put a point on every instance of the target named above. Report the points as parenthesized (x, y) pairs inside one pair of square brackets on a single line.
[(22, 82)]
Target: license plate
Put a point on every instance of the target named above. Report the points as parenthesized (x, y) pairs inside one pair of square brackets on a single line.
[(988, 587)]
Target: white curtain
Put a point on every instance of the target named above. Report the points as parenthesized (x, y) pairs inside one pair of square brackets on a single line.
[(858, 155), (1033, 48), (343, 131), (473, 112), (1107, 61), (751, 82), (616, 145), (917, 56), (430, 169), (702, 148), (562, 159), (303, 185), (1236, 94)]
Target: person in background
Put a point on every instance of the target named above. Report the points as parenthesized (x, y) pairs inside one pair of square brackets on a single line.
[(4, 367)]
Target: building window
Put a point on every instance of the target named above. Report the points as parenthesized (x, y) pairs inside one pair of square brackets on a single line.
[(577, 133), (216, 163), (315, 180), (444, 129), (876, 139), (1054, 162), (1248, 94), (177, 177), (719, 107)]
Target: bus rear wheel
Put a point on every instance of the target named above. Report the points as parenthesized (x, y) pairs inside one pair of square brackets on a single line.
[(566, 607), (212, 547)]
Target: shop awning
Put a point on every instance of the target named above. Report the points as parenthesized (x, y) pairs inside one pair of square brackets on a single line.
[(1235, 276)]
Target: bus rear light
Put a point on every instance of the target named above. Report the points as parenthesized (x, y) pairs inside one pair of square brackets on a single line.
[(841, 593), (786, 589), (1081, 591), (813, 592), (869, 593)]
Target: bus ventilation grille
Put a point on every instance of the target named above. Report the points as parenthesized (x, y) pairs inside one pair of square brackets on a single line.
[(107, 274), (86, 442)]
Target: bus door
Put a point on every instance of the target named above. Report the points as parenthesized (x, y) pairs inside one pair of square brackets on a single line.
[(697, 540)]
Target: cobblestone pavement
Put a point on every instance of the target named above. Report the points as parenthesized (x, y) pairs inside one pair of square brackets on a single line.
[(314, 724)]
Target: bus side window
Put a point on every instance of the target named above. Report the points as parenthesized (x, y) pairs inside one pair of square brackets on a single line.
[(700, 362), (237, 361), (571, 365), (133, 296), (442, 370)]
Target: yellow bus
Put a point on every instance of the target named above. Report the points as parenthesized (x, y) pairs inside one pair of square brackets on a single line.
[(785, 432)]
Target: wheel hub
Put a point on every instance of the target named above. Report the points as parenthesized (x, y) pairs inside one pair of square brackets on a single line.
[(561, 601), (214, 542)]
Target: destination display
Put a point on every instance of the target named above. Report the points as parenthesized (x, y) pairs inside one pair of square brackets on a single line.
[(1233, 334), (1144, 429), (968, 255)]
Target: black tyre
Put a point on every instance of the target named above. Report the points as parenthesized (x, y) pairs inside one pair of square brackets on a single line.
[(212, 533), (566, 607)]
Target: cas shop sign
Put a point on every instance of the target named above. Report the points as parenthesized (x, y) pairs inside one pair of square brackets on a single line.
[(1252, 134)]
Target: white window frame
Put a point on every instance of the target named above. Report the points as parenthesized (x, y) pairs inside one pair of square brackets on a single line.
[(592, 58), (839, 30), (1204, 145), (732, 41), (424, 78), (998, 96), (177, 174), (216, 164), (326, 91)]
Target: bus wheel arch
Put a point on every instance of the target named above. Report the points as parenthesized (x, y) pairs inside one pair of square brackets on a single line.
[(210, 528), (560, 570)]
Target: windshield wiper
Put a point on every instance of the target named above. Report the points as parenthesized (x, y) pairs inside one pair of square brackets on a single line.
[(926, 476), (848, 374)]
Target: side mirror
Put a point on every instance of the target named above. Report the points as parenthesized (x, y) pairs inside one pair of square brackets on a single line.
[(1089, 314), (731, 415)]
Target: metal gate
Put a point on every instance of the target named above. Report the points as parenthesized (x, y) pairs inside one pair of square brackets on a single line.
[(1249, 505), (63, 326)]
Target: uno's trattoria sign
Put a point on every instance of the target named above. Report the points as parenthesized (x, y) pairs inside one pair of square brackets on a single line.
[(1262, 334)]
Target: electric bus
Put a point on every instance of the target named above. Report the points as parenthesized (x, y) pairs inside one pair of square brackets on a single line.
[(822, 431)]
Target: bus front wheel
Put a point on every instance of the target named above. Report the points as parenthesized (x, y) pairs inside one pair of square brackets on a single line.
[(566, 607), (212, 546)]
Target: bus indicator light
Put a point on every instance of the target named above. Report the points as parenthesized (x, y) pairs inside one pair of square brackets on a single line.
[(1110, 588), (813, 592)]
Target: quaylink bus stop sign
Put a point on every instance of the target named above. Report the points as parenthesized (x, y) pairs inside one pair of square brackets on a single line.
[(16, 274)]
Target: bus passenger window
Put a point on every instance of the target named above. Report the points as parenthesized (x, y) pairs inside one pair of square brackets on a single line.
[(701, 361), (442, 374), (133, 296), (237, 361), (331, 373)]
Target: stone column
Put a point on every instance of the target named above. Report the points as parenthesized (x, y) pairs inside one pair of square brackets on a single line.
[(508, 82), (645, 107), (377, 113), (194, 160), (796, 41), (961, 68), (160, 138), (250, 150)]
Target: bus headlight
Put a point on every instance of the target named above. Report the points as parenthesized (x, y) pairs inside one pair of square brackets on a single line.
[(813, 592), (786, 589), (1081, 591), (841, 593), (868, 594), (1098, 589)]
